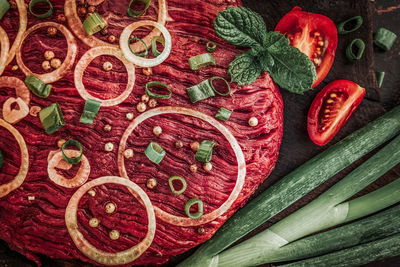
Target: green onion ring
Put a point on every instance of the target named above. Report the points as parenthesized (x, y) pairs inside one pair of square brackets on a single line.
[(215, 90), (72, 142), (379, 77), (200, 91), (154, 152), (154, 41), (93, 24), (359, 45), (223, 114), (52, 118), (44, 15), (211, 46), (133, 13), (204, 153), (37, 86), (144, 53), (201, 61), (4, 7), (90, 111), (171, 185), (384, 39), (341, 27), (1, 159), (154, 95), (192, 202)]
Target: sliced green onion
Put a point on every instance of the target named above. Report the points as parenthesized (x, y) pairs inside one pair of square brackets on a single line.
[(384, 39), (223, 114), (44, 15), (215, 90), (38, 87), (154, 95), (357, 20), (189, 204), (201, 61), (211, 46), (154, 152), (137, 13), (154, 41), (171, 184), (72, 142), (200, 91), (204, 153), (357, 44), (93, 24), (4, 7), (90, 111), (379, 77), (1, 159), (52, 118), (144, 53)]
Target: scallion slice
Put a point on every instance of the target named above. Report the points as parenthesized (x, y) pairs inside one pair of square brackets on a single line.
[(154, 95), (93, 24), (4, 7), (222, 79), (90, 111), (154, 152), (201, 61), (204, 153), (154, 41), (379, 77), (343, 27), (223, 114), (189, 204), (38, 87), (1, 159), (200, 91), (144, 53), (171, 184), (384, 39), (52, 118), (32, 3), (355, 50), (137, 13), (211, 46), (72, 142)]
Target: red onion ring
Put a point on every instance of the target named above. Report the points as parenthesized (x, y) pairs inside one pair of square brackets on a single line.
[(5, 46), (69, 60), (102, 257), (23, 21), (165, 216)]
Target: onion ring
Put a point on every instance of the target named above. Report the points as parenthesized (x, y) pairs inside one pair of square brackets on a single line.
[(69, 60), (5, 46), (184, 221), (140, 61), (23, 21), (14, 115), (5, 189), (20, 88), (88, 249), (76, 26), (85, 61), (79, 179)]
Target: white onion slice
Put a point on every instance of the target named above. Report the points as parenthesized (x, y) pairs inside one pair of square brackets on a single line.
[(5, 46), (102, 257), (85, 61), (69, 60), (5, 189), (15, 115), (165, 216), (23, 21), (140, 61)]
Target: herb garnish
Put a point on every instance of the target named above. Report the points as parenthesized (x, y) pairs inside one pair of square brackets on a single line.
[(270, 51)]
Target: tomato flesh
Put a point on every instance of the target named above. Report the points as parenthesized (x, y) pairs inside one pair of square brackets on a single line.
[(331, 109), (313, 34)]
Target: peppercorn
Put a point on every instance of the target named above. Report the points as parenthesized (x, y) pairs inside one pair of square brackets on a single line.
[(55, 63), (52, 31), (91, 9), (61, 18), (112, 38), (82, 11), (152, 103), (46, 65)]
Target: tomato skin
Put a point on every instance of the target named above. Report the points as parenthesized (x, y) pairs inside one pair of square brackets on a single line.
[(341, 98), (300, 26)]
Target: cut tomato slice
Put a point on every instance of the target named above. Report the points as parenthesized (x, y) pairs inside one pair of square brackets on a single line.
[(313, 34), (331, 108)]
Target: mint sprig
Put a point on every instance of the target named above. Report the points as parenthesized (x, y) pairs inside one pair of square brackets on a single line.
[(270, 51)]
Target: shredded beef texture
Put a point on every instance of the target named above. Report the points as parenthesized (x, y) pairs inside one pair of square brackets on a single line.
[(37, 226)]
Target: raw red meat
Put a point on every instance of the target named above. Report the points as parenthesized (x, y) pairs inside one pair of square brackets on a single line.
[(37, 226)]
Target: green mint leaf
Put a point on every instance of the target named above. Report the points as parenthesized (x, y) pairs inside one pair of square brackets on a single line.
[(240, 26), (266, 61), (244, 69)]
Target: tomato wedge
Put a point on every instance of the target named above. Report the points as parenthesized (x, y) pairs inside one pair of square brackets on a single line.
[(331, 108), (313, 34)]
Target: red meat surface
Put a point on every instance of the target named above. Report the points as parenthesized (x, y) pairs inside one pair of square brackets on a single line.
[(37, 226)]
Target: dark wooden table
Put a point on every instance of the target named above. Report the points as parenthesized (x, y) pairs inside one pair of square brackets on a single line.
[(382, 13)]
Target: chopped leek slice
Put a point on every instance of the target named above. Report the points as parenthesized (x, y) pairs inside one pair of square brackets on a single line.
[(154, 95), (201, 61), (155, 152), (171, 184), (200, 91), (189, 204), (137, 13), (90, 111), (72, 142), (223, 114), (384, 39), (52, 118), (215, 90), (4, 7), (204, 153), (144, 53), (93, 24), (379, 77), (154, 41), (211, 46), (38, 87), (43, 15), (355, 50), (343, 27)]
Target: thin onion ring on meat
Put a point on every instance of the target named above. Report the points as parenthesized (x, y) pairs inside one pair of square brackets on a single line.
[(5, 189), (23, 22), (140, 61), (20, 88), (76, 26), (85, 61), (185, 221), (69, 60), (81, 176), (5, 46), (88, 249), (15, 115)]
